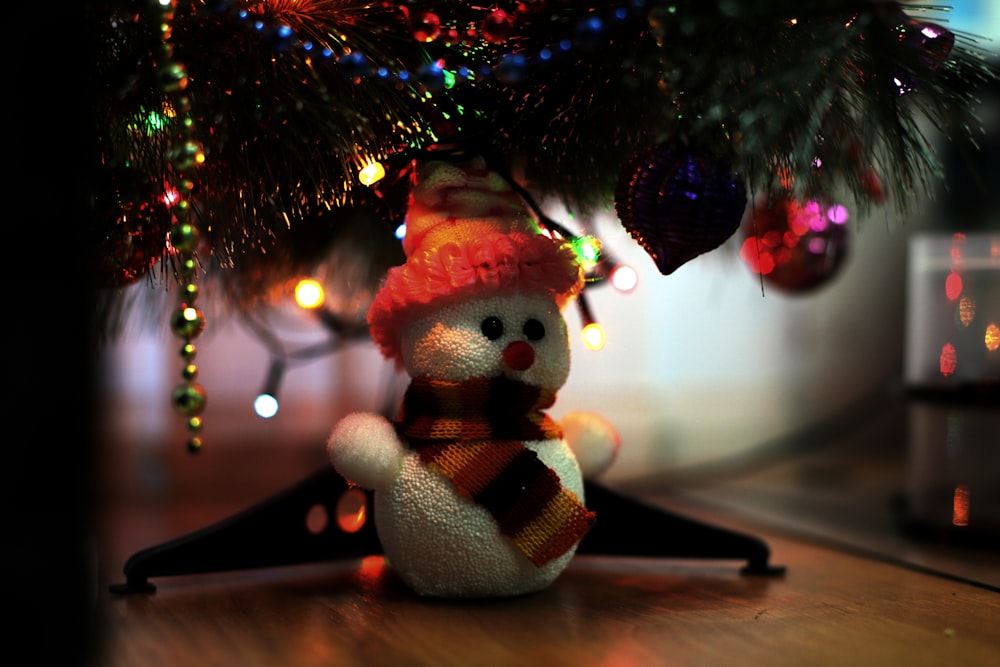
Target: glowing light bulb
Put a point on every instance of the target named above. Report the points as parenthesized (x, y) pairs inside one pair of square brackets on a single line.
[(588, 249), (953, 286), (967, 310), (960, 506), (170, 196), (591, 250), (838, 214), (948, 361), (992, 337), (265, 406), (624, 278), (593, 336), (371, 173), (352, 510), (309, 294)]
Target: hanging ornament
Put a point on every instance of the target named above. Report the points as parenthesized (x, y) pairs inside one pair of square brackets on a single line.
[(496, 26), (678, 205), (795, 246), (932, 42), (426, 26), (131, 215), (127, 255), (929, 42)]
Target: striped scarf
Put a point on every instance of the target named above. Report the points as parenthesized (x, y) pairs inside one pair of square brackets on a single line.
[(472, 432)]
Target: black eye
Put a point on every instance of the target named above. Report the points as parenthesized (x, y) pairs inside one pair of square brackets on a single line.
[(492, 327), (534, 329)]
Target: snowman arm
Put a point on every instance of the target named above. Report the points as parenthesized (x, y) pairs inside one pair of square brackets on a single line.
[(592, 439), (364, 448)]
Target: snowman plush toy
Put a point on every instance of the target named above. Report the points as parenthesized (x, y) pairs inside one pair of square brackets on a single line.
[(477, 492)]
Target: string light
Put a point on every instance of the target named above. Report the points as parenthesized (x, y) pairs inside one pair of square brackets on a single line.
[(592, 333), (593, 336), (589, 34), (371, 173), (309, 294), (266, 403), (340, 331), (624, 278), (588, 249)]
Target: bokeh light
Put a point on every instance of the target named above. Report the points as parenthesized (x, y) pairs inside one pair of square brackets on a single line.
[(624, 278), (992, 337), (265, 406), (948, 360), (371, 173), (309, 294), (967, 310), (593, 336), (953, 286)]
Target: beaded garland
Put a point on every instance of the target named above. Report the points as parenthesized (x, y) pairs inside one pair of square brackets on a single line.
[(187, 321)]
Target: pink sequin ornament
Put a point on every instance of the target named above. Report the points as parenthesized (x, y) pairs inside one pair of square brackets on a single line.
[(795, 246)]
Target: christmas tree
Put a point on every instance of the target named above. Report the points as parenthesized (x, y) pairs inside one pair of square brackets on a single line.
[(241, 145)]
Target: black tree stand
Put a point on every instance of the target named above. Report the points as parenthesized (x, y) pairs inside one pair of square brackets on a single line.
[(275, 532)]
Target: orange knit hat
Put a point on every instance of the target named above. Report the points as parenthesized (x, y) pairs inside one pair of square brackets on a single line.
[(467, 233)]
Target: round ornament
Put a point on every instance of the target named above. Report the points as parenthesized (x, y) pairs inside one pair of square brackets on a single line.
[(933, 43), (131, 217), (426, 26), (128, 254), (496, 26), (187, 321), (678, 205), (190, 399), (795, 246)]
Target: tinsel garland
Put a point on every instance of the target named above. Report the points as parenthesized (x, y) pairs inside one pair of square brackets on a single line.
[(292, 98)]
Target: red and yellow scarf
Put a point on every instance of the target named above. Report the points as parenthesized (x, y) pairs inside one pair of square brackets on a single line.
[(472, 432)]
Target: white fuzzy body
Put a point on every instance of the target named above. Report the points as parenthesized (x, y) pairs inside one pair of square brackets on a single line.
[(443, 545), (440, 543)]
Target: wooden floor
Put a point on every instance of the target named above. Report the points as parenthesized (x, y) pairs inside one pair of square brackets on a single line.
[(855, 591), (831, 607)]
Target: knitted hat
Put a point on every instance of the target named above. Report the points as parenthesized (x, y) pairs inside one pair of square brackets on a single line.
[(467, 234)]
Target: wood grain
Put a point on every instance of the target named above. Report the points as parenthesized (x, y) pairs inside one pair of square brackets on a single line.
[(830, 608)]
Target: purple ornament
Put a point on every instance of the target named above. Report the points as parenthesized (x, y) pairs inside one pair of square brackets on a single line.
[(678, 205), (931, 43)]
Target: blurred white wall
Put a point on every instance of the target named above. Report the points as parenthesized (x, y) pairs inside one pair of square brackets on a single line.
[(705, 363)]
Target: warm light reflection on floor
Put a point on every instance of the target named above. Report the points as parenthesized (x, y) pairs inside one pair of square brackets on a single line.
[(960, 506)]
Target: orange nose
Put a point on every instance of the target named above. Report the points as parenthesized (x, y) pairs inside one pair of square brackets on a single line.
[(519, 355)]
